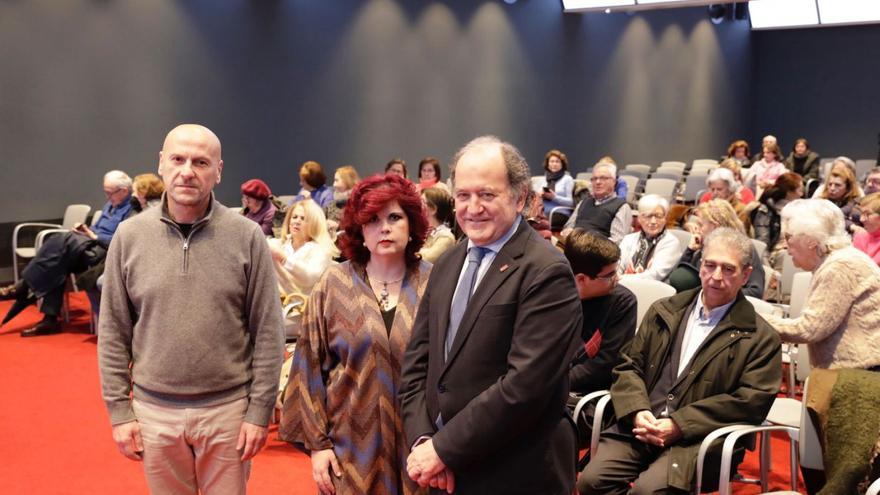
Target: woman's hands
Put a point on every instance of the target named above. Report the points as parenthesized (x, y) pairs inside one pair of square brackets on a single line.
[(322, 462)]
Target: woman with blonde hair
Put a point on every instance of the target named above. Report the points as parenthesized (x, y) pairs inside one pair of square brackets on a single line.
[(343, 182), (305, 249), (710, 216), (147, 190)]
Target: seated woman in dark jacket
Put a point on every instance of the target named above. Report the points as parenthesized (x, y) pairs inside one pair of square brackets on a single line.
[(765, 217), (802, 160)]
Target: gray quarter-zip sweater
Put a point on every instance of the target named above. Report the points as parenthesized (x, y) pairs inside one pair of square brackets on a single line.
[(197, 318)]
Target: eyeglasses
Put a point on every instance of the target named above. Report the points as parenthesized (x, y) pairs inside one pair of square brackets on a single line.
[(600, 179), (652, 216), (112, 191), (608, 277)]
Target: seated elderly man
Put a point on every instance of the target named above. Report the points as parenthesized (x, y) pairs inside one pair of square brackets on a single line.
[(603, 211), (702, 359), (651, 253), (72, 252)]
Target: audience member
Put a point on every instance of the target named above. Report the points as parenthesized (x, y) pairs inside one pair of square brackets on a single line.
[(701, 360), (765, 217), (346, 367), (429, 174), (557, 188), (305, 248), (343, 181), (256, 205), (723, 185), (485, 382), (191, 324), (872, 181), (621, 189), (74, 251), (146, 190), (314, 184), (840, 319), (768, 140), (653, 252), (439, 209), (842, 189), (839, 162), (868, 240), (738, 151), (765, 171), (397, 167), (802, 160), (609, 310), (603, 212), (710, 216), (743, 194)]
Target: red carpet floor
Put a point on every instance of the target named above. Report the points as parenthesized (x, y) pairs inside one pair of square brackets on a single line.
[(55, 434)]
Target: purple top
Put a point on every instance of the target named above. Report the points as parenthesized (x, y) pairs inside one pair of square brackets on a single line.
[(264, 216)]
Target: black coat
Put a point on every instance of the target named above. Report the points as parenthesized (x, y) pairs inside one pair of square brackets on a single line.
[(503, 390)]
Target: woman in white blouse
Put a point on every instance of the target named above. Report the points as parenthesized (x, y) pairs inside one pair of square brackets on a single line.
[(653, 252), (305, 249)]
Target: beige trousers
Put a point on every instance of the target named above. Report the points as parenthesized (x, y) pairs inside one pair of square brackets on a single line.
[(192, 450)]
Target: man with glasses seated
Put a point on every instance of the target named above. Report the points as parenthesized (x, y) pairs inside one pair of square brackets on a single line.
[(701, 360), (609, 315), (872, 181), (62, 254), (603, 212)]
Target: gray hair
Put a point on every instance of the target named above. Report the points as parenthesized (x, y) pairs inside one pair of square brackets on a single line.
[(606, 165), (724, 175), (818, 219), (651, 201), (846, 161), (518, 176), (731, 239), (118, 178)]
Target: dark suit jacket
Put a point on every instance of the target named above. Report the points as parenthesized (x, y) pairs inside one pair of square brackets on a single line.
[(502, 392)]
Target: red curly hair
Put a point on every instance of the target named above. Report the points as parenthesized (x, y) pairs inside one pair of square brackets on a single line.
[(368, 198)]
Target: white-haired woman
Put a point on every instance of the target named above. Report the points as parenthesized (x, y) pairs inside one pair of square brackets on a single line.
[(722, 184), (651, 253), (840, 319), (305, 249)]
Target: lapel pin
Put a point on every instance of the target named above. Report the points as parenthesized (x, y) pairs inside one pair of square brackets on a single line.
[(503, 267)]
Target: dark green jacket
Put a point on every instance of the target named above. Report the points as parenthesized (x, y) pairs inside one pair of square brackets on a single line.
[(734, 378)]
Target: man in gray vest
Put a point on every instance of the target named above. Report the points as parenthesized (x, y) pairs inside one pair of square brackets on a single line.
[(702, 359), (603, 212)]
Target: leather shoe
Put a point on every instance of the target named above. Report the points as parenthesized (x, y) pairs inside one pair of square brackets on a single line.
[(45, 327)]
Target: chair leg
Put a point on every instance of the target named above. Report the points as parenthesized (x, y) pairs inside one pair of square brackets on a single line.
[(765, 461), (793, 447)]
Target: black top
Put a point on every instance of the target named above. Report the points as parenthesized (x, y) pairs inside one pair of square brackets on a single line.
[(388, 318), (598, 218), (614, 317)]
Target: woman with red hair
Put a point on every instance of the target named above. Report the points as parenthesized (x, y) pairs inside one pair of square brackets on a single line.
[(342, 396)]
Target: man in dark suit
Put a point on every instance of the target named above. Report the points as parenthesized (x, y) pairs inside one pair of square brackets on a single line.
[(485, 377)]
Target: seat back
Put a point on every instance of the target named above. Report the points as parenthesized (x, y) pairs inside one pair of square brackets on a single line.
[(661, 187), (640, 167), (75, 214), (809, 448), (96, 217), (705, 161), (800, 286), (647, 291), (584, 175), (684, 237), (693, 185), (863, 167), (632, 182), (788, 271), (763, 307), (679, 165)]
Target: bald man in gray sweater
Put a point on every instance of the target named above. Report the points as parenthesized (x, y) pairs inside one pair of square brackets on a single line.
[(191, 324)]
